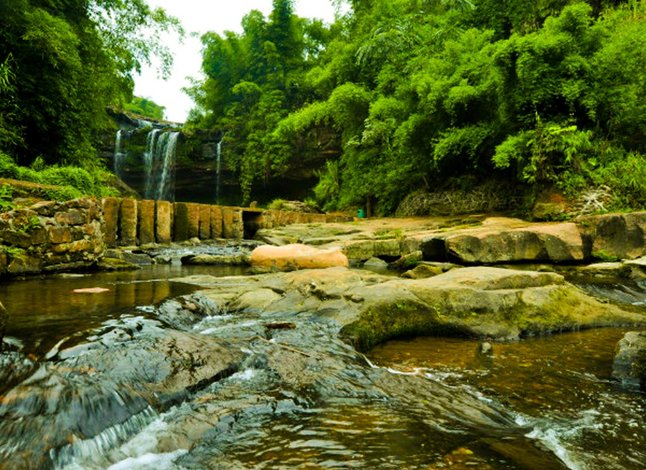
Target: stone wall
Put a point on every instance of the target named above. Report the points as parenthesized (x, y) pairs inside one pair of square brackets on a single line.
[(130, 222), (50, 236)]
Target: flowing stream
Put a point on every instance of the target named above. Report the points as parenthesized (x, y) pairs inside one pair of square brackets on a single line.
[(125, 379)]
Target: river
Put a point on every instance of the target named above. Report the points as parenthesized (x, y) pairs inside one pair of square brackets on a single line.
[(102, 386)]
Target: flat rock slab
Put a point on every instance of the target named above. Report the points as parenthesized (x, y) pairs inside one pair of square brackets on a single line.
[(486, 302)]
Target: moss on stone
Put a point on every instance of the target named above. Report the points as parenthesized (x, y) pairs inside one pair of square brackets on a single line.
[(398, 320)]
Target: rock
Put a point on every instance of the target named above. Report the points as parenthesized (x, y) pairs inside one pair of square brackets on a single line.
[(616, 236), (497, 243), (296, 256), (408, 261), (128, 222), (146, 221), (223, 260), (376, 263), (484, 302), (128, 368), (216, 222), (205, 222), (428, 269), (550, 205), (485, 348), (184, 312), (163, 221), (116, 264), (629, 365)]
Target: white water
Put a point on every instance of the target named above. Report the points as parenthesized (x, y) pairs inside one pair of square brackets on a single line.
[(119, 155), (159, 165), (167, 155), (218, 165), (149, 156)]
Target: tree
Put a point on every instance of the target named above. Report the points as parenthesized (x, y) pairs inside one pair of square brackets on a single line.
[(70, 59)]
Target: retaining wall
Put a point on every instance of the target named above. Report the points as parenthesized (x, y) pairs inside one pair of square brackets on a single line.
[(130, 222)]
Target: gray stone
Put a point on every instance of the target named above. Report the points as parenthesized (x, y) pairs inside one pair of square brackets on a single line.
[(629, 365)]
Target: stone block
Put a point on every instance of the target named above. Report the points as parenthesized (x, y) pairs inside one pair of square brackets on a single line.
[(205, 222), (227, 222), (59, 234), (180, 222), (128, 222), (193, 220), (71, 217), (110, 220), (146, 221), (232, 223), (216, 222), (163, 221)]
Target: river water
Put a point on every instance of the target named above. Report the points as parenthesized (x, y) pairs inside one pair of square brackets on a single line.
[(96, 392)]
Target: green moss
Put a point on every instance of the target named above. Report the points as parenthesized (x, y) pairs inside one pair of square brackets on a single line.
[(604, 256), (386, 321)]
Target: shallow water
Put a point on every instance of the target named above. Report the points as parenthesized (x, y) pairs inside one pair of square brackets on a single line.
[(560, 385), (300, 397), (43, 311)]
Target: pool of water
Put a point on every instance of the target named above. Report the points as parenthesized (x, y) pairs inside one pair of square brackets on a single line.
[(42, 311), (559, 384)]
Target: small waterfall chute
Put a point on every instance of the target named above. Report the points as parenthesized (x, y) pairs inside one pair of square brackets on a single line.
[(119, 154), (167, 155), (218, 166)]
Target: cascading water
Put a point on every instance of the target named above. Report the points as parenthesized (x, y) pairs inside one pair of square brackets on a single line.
[(218, 163), (167, 152), (119, 154), (159, 164), (149, 158)]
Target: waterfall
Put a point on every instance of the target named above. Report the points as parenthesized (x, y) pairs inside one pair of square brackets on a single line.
[(119, 155), (167, 152), (159, 164), (218, 162), (149, 159)]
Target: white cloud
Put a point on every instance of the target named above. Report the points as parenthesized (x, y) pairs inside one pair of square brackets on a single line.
[(200, 16)]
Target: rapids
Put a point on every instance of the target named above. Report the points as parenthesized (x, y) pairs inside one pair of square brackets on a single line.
[(130, 379)]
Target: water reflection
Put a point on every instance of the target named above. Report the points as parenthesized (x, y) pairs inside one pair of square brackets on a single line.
[(559, 384), (42, 311)]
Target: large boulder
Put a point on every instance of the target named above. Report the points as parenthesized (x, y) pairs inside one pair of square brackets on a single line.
[(629, 365), (499, 241), (616, 236), (296, 256)]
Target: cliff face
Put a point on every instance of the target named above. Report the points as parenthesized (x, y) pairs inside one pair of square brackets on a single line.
[(198, 171)]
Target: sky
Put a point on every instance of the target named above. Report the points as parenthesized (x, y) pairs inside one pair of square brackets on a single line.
[(200, 16)]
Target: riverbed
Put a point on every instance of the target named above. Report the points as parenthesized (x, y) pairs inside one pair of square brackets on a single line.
[(289, 393)]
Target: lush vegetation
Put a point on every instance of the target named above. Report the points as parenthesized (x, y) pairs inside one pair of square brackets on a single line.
[(61, 63), (145, 107), (408, 94)]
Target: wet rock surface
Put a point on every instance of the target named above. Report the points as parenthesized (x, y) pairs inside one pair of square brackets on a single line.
[(629, 366), (479, 301), (206, 394), (253, 372), (129, 369)]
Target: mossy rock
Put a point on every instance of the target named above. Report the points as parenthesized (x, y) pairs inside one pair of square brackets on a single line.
[(116, 264)]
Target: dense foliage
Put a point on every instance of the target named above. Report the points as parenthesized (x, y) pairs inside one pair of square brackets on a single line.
[(408, 94), (61, 63), (145, 107)]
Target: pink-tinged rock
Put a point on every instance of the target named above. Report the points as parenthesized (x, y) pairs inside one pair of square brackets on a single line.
[(90, 290), (296, 256)]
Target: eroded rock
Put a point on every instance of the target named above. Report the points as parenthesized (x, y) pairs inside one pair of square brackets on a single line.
[(629, 365)]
